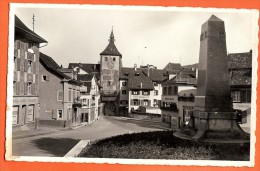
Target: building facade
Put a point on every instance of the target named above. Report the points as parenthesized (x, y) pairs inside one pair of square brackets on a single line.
[(26, 77), (59, 95), (90, 98), (178, 97)]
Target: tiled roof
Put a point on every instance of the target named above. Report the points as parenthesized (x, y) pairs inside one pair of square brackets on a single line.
[(111, 47), (22, 30), (182, 77), (173, 67), (140, 82), (196, 66), (240, 60), (89, 68), (85, 77), (53, 67), (135, 78), (241, 77), (156, 75)]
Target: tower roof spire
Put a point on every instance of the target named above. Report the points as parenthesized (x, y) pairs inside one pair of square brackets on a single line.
[(112, 37), (111, 47)]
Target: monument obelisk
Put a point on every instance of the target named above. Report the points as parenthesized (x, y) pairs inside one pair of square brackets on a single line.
[(213, 115)]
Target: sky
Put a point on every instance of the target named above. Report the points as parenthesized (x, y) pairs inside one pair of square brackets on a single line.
[(144, 35)]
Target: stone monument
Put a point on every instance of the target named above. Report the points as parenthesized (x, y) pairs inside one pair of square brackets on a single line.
[(214, 117)]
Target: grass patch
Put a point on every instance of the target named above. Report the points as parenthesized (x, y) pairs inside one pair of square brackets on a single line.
[(163, 145)]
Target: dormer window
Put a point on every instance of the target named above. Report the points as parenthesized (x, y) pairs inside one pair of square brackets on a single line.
[(137, 74)]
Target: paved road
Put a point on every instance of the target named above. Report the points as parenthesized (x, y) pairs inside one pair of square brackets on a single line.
[(59, 143)]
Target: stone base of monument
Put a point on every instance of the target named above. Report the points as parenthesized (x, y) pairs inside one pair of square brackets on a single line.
[(213, 127)]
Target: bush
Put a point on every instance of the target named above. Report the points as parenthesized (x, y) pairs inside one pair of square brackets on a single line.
[(162, 145)]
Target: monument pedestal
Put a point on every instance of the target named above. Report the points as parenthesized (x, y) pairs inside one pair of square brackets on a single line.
[(217, 127)]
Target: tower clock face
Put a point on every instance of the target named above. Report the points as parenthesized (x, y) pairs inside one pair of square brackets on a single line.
[(110, 63)]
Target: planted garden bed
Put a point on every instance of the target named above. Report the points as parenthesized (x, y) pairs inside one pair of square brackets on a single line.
[(163, 145)]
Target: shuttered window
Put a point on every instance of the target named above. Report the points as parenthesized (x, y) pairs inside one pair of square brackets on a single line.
[(33, 89), (59, 95), (17, 88), (18, 65)]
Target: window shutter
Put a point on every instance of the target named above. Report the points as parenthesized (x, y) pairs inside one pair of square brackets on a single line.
[(138, 102), (25, 65), (25, 88), (148, 92), (33, 89), (149, 102), (54, 114), (18, 63), (142, 102), (21, 88), (17, 88), (33, 67), (132, 102)]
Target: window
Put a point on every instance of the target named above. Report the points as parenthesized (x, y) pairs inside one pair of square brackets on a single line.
[(59, 95), (15, 115), (109, 83), (15, 59), (135, 92), (123, 102), (14, 87), (155, 84), (145, 102), (146, 92), (84, 102), (114, 59), (135, 102), (105, 58), (29, 88), (124, 83), (170, 90), (155, 102), (44, 78), (175, 90), (30, 113), (164, 90), (235, 96), (187, 114), (245, 96), (155, 92), (123, 91), (59, 114), (29, 66)]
